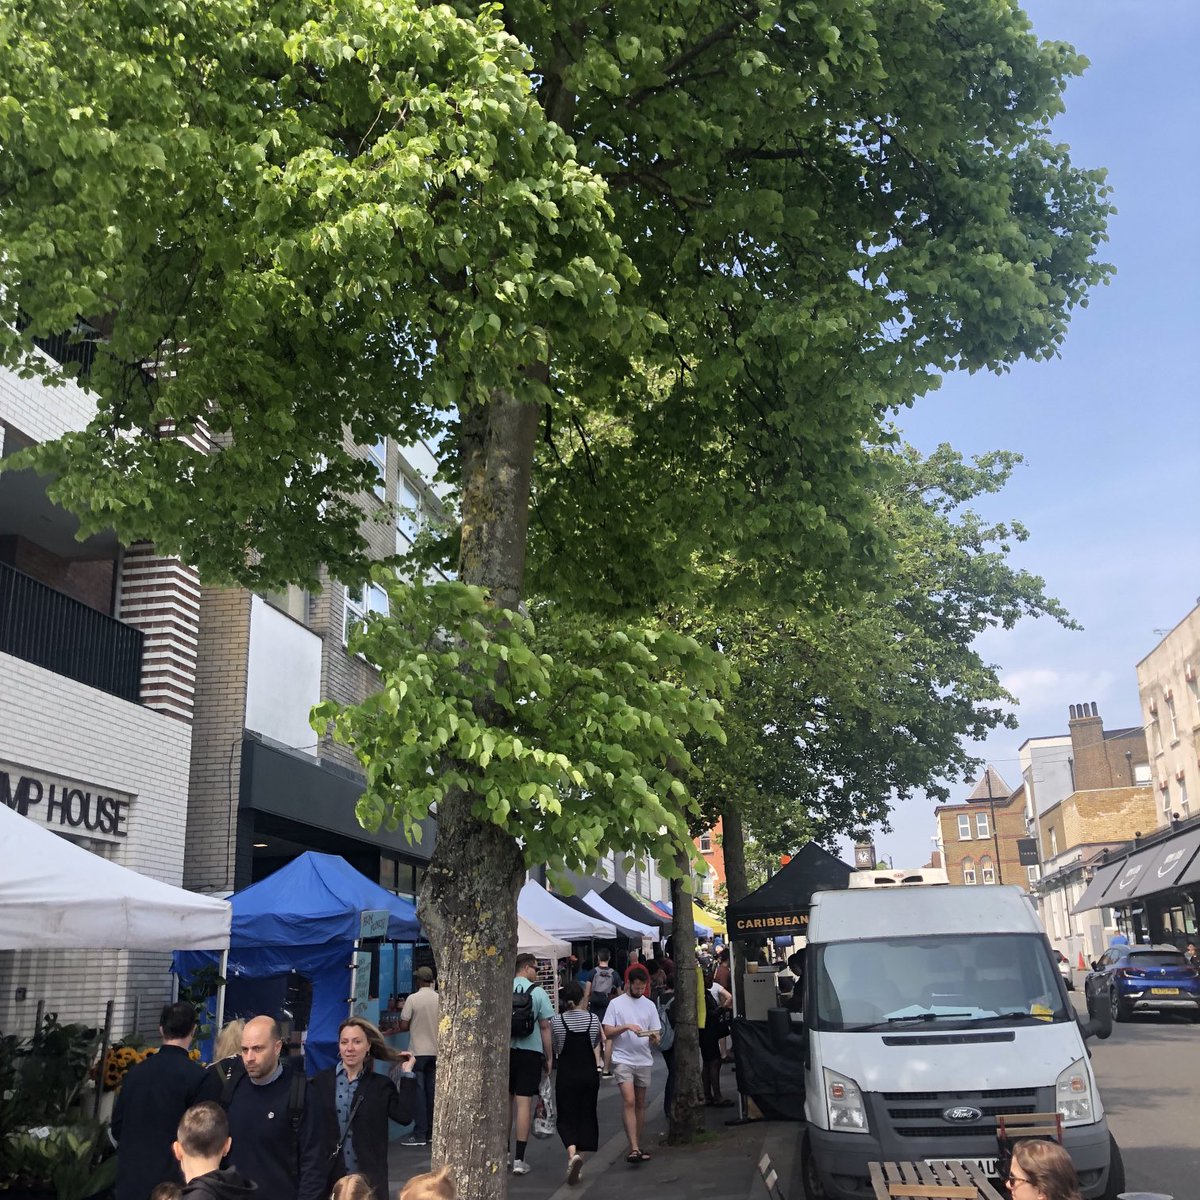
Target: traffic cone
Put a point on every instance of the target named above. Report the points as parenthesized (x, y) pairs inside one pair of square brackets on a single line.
[(1082, 964)]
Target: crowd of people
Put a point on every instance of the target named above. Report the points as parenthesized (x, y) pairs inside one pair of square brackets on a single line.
[(251, 1125)]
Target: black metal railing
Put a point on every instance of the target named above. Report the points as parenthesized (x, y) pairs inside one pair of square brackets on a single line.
[(50, 629)]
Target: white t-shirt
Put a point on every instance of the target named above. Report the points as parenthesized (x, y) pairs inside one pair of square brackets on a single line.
[(628, 1048)]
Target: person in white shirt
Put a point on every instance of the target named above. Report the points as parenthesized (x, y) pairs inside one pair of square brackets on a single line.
[(631, 1023), (419, 1018)]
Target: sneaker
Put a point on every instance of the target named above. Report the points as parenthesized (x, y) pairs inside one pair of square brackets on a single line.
[(606, 1074), (573, 1169), (520, 1167), (414, 1140)]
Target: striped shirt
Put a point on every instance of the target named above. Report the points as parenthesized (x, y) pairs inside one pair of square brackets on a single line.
[(576, 1020)]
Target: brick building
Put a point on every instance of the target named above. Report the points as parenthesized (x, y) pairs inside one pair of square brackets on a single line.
[(1109, 801), (709, 845), (978, 838), (263, 787), (97, 657)]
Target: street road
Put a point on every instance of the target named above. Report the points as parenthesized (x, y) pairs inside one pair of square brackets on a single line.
[(1149, 1076)]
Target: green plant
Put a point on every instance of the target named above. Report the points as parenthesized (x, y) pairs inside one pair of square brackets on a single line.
[(52, 1069), (200, 988), (62, 1158)]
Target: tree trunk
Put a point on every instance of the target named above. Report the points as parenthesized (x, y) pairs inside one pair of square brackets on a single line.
[(733, 846), (468, 904), (686, 1118)]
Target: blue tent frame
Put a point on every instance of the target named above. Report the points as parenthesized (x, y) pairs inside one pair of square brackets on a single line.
[(305, 918)]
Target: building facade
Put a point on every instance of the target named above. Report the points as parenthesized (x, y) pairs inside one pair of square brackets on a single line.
[(97, 666), (710, 846), (1170, 700), (264, 787), (1108, 801), (978, 838)]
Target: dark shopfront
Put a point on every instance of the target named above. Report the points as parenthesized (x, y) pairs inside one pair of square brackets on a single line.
[(289, 803), (1153, 888)]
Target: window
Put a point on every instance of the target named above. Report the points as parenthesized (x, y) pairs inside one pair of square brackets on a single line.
[(706, 843), (1183, 796), (360, 603), (1165, 790), (968, 870), (1141, 774), (408, 518), (1031, 873), (981, 825), (1053, 842), (964, 828), (986, 870), (377, 453), (1171, 714)]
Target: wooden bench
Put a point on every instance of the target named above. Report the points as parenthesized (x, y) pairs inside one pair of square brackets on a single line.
[(930, 1181)]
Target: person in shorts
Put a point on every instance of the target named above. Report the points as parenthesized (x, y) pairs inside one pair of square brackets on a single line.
[(529, 1058), (631, 1023)]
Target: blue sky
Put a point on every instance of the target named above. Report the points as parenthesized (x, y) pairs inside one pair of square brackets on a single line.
[(1110, 431)]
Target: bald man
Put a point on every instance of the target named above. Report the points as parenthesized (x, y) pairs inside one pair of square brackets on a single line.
[(276, 1128)]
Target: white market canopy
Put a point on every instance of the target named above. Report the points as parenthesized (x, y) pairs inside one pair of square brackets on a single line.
[(627, 925), (56, 895), (551, 914), (532, 940)]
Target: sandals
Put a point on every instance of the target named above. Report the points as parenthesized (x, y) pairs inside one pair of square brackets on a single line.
[(637, 1156)]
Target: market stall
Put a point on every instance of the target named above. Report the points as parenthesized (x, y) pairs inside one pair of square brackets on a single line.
[(308, 921), (777, 909), (54, 894), (561, 919)]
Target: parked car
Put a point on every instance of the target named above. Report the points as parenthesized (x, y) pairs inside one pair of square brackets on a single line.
[(1064, 969), (1130, 979)]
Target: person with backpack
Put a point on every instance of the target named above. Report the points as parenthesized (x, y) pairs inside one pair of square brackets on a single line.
[(278, 1140), (530, 1051), (606, 984)]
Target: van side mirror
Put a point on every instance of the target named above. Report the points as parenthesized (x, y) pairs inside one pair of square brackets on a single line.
[(779, 1028), (1099, 1024)]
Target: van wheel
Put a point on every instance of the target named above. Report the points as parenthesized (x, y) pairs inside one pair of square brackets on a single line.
[(813, 1187), (1120, 1012), (1116, 1171)]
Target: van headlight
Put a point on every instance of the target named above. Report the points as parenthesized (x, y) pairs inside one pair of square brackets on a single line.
[(843, 1099), (1076, 1100)]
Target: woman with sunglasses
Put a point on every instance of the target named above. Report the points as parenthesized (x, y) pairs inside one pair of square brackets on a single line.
[(1042, 1170)]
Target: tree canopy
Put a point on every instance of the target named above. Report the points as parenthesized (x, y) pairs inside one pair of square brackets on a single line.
[(651, 273), (838, 716)]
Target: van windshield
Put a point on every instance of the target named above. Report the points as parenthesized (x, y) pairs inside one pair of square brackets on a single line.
[(950, 981)]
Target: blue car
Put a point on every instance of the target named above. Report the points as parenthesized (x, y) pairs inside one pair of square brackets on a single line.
[(1131, 979)]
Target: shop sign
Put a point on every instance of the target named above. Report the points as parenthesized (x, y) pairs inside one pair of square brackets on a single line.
[(743, 925), (361, 1001), (65, 805), (373, 924)]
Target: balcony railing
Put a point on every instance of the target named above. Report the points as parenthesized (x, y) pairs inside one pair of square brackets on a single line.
[(45, 627)]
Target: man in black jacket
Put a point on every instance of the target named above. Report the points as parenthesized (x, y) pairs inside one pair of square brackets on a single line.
[(278, 1140), (155, 1095)]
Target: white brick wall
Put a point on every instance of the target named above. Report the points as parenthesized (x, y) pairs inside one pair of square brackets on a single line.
[(57, 726), (42, 412)]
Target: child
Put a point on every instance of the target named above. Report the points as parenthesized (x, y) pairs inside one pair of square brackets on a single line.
[(353, 1187), (201, 1141), (433, 1185)]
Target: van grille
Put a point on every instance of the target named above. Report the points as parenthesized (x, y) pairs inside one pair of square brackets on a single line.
[(909, 1113)]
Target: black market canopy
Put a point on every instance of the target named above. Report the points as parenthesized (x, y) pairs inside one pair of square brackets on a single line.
[(780, 907)]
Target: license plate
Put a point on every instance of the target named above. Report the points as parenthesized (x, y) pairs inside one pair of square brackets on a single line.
[(1164, 991), (981, 1166)]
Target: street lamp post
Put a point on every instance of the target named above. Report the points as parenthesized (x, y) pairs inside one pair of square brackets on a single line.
[(995, 832)]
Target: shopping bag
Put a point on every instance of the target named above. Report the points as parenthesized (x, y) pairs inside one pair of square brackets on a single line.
[(544, 1115)]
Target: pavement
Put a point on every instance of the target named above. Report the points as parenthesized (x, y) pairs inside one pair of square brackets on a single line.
[(725, 1164)]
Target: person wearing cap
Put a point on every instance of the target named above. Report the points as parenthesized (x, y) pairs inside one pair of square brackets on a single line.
[(419, 1018)]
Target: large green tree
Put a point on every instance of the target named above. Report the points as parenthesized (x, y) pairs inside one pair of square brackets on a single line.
[(662, 265), (842, 714)]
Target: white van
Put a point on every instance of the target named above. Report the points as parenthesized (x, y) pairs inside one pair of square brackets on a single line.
[(930, 1011)]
